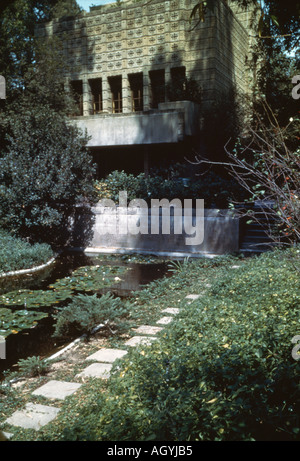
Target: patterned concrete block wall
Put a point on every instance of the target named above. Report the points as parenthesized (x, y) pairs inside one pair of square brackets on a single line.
[(140, 37)]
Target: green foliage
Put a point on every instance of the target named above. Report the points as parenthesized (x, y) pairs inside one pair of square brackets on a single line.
[(35, 298), (90, 278), (178, 266), (83, 280), (282, 22), (278, 20), (45, 166), (16, 254), (12, 322), (85, 313), (64, 8), (17, 39), (117, 181), (33, 366), (215, 190), (46, 171), (223, 369)]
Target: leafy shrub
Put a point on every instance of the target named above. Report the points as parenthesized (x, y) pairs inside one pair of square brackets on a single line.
[(16, 254), (120, 181), (33, 366), (45, 166), (223, 370), (216, 191), (46, 171), (86, 312)]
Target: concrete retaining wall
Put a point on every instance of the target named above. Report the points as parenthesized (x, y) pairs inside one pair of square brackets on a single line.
[(215, 232)]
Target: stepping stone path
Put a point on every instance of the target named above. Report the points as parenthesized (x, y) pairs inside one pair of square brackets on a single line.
[(35, 416), (192, 298), (96, 370), (57, 389), (139, 340), (107, 355), (171, 310), (165, 320), (148, 330)]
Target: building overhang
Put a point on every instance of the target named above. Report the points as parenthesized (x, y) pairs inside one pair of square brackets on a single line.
[(172, 122)]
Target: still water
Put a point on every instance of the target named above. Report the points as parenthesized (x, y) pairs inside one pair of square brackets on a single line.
[(38, 341)]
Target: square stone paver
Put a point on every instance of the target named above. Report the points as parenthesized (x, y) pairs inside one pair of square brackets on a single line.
[(107, 355), (34, 416), (137, 340), (57, 389), (165, 320), (192, 297), (96, 370), (148, 330), (171, 310)]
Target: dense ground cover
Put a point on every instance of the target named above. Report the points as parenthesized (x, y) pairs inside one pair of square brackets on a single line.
[(16, 253), (222, 370)]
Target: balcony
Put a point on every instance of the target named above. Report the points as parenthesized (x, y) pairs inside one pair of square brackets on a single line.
[(171, 122)]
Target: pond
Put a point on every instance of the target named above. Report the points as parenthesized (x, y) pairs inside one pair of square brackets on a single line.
[(27, 303)]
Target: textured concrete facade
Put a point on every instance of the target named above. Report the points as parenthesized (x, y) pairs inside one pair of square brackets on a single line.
[(121, 58)]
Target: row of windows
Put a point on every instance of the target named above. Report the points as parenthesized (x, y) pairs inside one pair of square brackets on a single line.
[(157, 91)]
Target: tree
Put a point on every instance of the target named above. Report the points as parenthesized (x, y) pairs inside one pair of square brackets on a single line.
[(277, 19), (282, 22), (45, 167), (269, 171), (65, 8), (18, 19), (46, 172), (265, 161), (274, 84)]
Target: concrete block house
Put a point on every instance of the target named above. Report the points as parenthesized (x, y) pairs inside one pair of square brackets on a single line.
[(137, 69)]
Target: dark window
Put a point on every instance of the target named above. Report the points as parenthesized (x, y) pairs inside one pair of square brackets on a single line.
[(116, 94), (96, 92), (77, 91), (158, 90), (178, 82), (136, 86)]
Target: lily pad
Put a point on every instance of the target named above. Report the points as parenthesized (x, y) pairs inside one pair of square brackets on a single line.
[(11, 322), (90, 278), (84, 279), (33, 299)]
